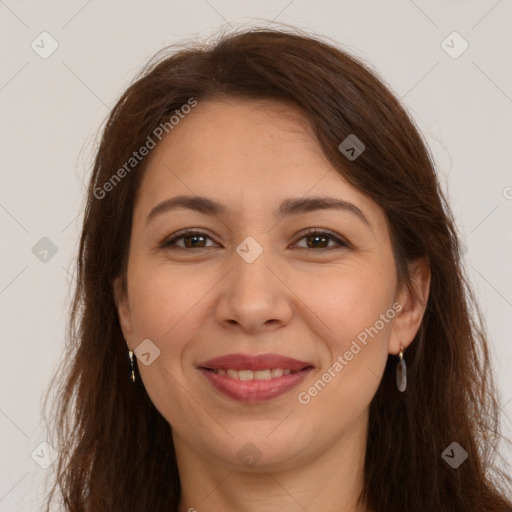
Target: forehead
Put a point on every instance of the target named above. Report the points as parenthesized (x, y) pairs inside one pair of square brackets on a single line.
[(238, 138), (249, 154)]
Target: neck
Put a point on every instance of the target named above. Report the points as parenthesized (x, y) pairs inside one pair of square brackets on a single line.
[(330, 481)]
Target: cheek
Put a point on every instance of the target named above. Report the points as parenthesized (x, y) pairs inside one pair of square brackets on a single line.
[(160, 296), (354, 341), (349, 298), (168, 307), (355, 314)]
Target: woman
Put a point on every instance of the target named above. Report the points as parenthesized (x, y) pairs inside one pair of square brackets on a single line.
[(271, 312)]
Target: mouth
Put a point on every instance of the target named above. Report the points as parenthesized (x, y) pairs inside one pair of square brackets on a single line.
[(267, 374), (247, 378)]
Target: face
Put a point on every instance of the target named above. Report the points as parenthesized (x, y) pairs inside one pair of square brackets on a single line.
[(314, 283)]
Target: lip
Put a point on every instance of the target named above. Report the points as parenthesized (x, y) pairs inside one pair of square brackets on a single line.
[(254, 391), (254, 362)]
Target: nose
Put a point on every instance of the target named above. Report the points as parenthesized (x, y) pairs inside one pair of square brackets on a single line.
[(254, 296)]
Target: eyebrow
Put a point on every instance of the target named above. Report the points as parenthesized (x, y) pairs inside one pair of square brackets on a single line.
[(288, 207)]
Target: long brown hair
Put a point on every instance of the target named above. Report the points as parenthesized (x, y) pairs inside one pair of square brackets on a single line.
[(116, 450)]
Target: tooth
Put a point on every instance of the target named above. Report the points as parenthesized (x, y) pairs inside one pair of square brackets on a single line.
[(262, 375), (245, 375), (233, 373)]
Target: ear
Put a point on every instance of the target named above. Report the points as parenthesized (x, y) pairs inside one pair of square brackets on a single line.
[(413, 302), (123, 309)]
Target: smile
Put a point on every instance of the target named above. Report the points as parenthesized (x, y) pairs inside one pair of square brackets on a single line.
[(252, 379)]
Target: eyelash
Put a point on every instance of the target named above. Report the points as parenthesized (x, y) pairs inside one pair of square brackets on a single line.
[(188, 233)]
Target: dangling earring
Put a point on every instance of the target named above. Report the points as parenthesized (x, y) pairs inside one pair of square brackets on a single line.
[(132, 377), (401, 371)]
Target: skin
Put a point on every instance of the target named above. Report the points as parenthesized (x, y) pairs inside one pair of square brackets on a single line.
[(196, 304)]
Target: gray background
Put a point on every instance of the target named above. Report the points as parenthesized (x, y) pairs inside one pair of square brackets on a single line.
[(52, 108)]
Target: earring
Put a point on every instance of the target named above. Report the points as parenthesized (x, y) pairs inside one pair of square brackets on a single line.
[(401, 371), (132, 376)]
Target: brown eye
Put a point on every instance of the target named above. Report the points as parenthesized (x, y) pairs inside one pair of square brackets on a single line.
[(191, 240), (319, 240), (316, 240)]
